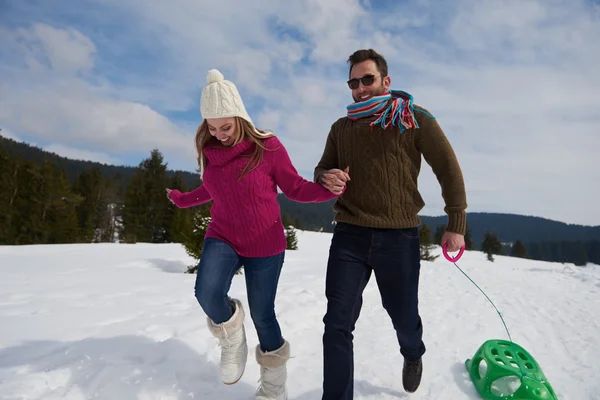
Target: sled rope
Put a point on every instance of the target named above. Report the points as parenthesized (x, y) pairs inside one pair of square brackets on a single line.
[(523, 373), (487, 297)]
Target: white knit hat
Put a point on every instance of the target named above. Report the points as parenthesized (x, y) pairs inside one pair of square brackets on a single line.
[(221, 99)]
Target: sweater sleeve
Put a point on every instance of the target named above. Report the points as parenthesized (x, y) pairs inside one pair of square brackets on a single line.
[(196, 197), (329, 158), (439, 154), (292, 184)]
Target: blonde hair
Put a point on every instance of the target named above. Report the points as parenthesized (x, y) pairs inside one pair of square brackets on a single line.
[(244, 130)]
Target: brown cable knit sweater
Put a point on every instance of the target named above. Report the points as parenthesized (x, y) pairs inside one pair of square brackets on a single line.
[(384, 167)]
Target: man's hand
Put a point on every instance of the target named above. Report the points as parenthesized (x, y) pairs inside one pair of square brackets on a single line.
[(454, 240), (335, 179)]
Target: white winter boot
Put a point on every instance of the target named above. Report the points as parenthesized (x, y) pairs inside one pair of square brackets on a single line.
[(273, 373), (234, 349)]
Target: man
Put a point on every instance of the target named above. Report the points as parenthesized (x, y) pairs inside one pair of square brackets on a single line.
[(379, 143)]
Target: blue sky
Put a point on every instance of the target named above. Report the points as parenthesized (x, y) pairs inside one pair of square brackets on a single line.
[(513, 83)]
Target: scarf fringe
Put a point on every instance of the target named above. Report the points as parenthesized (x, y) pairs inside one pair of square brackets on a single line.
[(401, 109)]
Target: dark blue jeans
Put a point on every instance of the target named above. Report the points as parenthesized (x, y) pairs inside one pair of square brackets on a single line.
[(394, 257), (218, 265)]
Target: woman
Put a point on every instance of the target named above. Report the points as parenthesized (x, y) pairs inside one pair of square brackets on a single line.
[(242, 168)]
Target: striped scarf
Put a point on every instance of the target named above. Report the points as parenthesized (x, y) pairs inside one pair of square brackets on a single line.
[(400, 110)]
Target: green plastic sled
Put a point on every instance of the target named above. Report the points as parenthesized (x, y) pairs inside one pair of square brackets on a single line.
[(508, 359)]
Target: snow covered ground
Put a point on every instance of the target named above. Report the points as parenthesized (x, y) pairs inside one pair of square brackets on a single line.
[(118, 321)]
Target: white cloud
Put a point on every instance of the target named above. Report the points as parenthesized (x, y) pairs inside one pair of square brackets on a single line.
[(79, 154), (73, 113), (60, 107), (42, 47), (512, 83), (66, 50)]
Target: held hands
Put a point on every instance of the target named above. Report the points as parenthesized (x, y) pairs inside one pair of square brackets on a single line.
[(454, 240), (335, 180)]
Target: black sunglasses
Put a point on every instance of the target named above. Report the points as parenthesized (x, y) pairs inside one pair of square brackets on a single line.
[(366, 80)]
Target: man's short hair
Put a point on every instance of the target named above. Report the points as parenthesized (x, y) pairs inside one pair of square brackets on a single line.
[(368, 54)]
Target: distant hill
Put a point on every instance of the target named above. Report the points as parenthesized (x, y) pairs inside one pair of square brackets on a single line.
[(513, 227), (74, 168), (508, 227)]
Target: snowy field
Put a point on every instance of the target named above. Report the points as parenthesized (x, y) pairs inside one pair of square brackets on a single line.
[(118, 321)]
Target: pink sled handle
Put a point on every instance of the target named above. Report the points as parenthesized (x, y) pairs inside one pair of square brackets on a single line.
[(448, 257)]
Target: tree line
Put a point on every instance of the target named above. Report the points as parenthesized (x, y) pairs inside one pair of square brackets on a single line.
[(319, 216), (42, 204), (574, 251), (577, 252)]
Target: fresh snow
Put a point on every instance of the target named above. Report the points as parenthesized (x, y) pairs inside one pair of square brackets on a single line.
[(120, 321)]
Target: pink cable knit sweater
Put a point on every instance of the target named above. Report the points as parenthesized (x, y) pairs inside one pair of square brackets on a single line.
[(245, 213)]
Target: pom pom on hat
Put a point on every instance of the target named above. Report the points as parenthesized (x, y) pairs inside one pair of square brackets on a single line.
[(214, 75)]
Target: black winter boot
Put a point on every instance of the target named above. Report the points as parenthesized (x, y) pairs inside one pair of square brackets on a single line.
[(411, 375)]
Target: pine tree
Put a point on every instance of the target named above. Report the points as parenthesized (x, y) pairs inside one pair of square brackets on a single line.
[(519, 250), (193, 241), (178, 219), (491, 245), (291, 238), (290, 231), (135, 213), (59, 207), (468, 240), (426, 243), (109, 212), (28, 202), (41, 203), (146, 208), (156, 182), (91, 186), (8, 169)]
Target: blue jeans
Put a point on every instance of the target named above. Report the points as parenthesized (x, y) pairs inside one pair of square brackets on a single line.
[(218, 265), (394, 257)]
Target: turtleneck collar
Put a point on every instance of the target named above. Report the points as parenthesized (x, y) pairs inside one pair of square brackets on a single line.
[(217, 154)]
